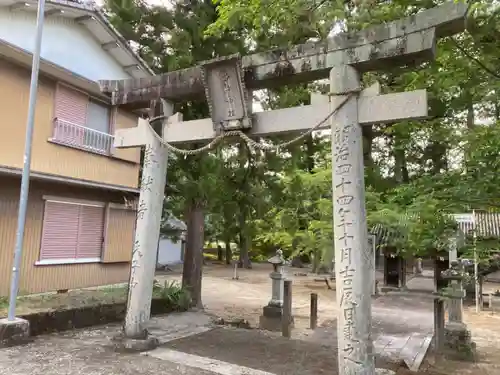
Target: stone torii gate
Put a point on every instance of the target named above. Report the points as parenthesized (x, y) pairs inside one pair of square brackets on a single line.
[(225, 83)]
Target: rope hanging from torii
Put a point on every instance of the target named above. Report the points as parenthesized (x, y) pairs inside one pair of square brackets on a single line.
[(252, 144)]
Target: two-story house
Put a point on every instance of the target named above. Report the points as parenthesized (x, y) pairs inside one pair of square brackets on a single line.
[(80, 221)]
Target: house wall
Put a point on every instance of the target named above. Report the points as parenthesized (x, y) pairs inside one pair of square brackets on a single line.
[(121, 169), (38, 279), (65, 43)]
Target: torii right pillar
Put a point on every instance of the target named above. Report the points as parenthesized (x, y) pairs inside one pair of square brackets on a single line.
[(352, 256)]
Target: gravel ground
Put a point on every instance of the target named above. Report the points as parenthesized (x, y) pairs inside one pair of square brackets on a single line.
[(88, 352)]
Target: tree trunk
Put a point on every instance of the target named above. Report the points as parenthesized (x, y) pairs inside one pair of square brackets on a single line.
[(244, 214), (470, 113), (400, 169), (229, 253), (193, 260), (327, 260), (497, 106), (316, 260), (400, 164), (220, 253), (368, 136), (470, 126), (438, 157), (310, 153), (244, 261)]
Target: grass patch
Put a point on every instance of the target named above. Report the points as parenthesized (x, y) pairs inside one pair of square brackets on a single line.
[(173, 294), (171, 291), (57, 301)]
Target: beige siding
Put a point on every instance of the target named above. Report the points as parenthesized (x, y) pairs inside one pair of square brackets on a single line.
[(120, 224), (123, 169), (37, 279)]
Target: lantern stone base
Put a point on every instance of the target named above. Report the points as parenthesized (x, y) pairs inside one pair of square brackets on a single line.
[(458, 342), (270, 320)]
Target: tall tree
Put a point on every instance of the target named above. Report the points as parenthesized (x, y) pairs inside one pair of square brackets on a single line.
[(170, 39)]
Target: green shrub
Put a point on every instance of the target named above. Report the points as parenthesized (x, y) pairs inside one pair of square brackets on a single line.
[(260, 258), (173, 294)]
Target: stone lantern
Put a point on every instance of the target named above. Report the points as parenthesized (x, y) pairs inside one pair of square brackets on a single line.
[(457, 338), (271, 313)]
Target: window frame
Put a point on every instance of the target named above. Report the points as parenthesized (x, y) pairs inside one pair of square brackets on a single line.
[(109, 108), (112, 115), (78, 202)]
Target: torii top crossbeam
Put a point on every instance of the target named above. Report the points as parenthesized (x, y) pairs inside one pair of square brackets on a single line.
[(406, 41)]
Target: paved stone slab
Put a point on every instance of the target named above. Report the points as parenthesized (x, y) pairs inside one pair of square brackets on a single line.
[(204, 363), (422, 351), (176, 326)]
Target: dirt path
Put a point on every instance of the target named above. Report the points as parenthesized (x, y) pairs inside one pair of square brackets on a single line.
[(244, 298), (308, 353), (485, 329)]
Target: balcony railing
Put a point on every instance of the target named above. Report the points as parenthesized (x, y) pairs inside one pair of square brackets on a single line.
[(81, 137)]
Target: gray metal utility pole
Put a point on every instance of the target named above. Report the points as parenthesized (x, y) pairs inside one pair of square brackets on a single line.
[(25, 180)]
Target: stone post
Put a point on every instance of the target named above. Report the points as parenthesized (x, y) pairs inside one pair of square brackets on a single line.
[(313, 317), (286, 320), (352, 258), (147, 232), (438, 323), (273, 311)]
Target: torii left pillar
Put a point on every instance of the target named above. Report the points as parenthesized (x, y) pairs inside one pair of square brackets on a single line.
[(149, 212)]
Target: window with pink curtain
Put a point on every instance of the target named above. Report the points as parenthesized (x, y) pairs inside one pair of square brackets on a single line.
[(72, 231)]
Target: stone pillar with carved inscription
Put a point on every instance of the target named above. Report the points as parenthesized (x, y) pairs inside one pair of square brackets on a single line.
[(147, 232), (352, 257)]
